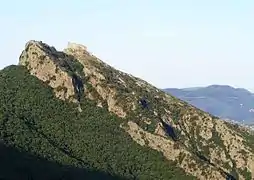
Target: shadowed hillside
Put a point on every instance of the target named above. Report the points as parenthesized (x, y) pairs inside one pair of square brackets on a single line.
[(19, 165)]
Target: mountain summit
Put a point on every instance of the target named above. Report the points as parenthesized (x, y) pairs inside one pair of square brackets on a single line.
[(157, 130)]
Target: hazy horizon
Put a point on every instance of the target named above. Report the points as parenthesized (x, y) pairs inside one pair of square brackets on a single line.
[(198, 87), (170, 44)]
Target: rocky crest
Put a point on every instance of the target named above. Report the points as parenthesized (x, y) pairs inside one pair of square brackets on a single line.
[(203, 145)]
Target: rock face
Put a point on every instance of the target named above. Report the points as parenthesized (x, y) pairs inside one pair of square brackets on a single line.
[(205, 147), (53, 67)]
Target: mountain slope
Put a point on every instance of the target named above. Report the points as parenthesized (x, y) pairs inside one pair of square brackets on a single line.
[(16, 164), (134, 129), (220, 100), (34, 121)]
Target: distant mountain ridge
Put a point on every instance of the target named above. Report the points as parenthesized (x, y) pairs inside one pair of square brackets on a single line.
[(223, 101)]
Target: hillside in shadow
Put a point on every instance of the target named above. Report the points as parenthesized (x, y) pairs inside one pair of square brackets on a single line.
[(15, 164)]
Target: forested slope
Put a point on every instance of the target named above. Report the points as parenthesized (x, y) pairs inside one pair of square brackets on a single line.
[(40, 133)]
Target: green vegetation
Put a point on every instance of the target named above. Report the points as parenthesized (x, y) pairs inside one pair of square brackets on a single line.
[(217, 139), (45, 130), (246, 174), (249, 139), (78, 67), (176, 114)]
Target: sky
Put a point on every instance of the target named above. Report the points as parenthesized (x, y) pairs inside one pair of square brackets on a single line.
[(169, 43)]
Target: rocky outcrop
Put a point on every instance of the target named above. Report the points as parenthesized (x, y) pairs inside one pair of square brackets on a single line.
[(174, 152), (52, 67), (96, 76), (205, 147), (63, 70)]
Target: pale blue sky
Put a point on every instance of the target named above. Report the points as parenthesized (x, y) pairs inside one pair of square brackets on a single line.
[(169, 43)]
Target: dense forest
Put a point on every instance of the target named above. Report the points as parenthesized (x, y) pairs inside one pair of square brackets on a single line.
[(42, 137)]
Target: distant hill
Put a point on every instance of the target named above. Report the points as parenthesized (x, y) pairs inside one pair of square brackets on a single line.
[(220, 100)]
